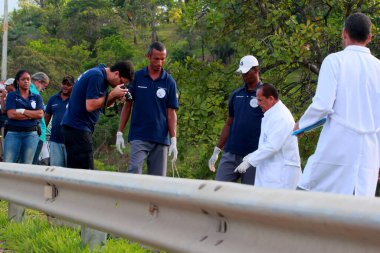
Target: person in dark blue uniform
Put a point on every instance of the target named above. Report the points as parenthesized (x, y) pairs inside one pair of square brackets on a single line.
[(24, 110), (154, 117), (56, 108), (88, 97), (241, 133)]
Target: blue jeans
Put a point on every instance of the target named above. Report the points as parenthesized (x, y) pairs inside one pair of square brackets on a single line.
[(58, 156), (20, 147)]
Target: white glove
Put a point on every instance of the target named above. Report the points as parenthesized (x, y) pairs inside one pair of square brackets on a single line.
[(21, 110), (243, 167), (246, 158), (119, 142), (213, 159), (173, 149)]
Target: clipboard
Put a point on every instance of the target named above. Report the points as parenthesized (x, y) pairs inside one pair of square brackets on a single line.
[(311, 127)]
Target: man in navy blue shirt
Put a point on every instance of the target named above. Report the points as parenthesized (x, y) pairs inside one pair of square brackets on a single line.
[(56, 108), (240, 135), (88, 97), (154, 117)]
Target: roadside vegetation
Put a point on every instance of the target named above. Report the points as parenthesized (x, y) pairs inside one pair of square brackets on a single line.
[(36, 234), (205, 41)]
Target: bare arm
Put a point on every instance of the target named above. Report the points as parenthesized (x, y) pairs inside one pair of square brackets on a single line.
[(172, 122), (47, 118), (124, 116), (94, 104), (225, 132), (28, 114), (117, 93)]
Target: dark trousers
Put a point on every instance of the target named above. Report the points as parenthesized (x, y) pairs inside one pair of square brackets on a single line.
[(79, 148), (36, 157)]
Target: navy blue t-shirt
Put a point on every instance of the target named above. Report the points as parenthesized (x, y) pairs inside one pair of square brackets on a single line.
[(244, 134), (151, 99), (92, 84), (16, 101), (56, 107)]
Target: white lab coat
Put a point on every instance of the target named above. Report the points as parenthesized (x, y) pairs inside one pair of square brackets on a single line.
[(346, 159), (277, 159)]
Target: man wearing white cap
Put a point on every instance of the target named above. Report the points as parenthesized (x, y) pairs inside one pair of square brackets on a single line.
[(240, 135)]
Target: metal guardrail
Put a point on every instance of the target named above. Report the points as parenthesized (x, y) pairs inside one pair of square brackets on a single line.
[(182, 215)]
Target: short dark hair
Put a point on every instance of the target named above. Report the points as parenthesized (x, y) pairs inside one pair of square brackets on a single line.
[(268, 90), (358, 26), (68, 79), (18, 76), (156, 45), (125, 69)]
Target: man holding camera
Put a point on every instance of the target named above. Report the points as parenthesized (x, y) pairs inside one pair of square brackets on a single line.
[(88, 97), (240, 135), (154, 117)]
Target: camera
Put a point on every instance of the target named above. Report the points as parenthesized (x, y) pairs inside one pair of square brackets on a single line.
[(128, 95)]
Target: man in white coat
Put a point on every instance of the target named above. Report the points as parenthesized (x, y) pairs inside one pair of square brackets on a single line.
[(277, 159), (346, 160)]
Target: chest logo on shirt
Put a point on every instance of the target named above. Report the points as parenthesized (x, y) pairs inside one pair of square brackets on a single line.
[(33, 104), (253, 102), (161, 93)]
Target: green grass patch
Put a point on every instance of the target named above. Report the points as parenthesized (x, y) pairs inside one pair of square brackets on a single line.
[(36, 235)]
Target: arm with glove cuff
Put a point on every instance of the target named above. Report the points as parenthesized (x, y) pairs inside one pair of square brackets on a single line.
[(172, 126), (124, 117), (222, 141)]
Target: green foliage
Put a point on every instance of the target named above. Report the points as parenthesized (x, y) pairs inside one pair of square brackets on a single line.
[(35, 234), (45, 55), (180, 51), (204, 90), (112, 49)]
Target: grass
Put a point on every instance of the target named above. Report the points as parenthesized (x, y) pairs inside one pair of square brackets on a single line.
[(36, 235)]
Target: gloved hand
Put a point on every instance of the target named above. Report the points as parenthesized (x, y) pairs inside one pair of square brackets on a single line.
[(213, 159), (173, 149), (246, 158), (119, 142), (243, 167)]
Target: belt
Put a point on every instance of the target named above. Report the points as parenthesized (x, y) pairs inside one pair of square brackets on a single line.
[(11, 128)]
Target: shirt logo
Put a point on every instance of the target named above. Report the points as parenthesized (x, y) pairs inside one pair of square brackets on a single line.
[(253, 103), (143, 87), (161, 93), (33, 104)]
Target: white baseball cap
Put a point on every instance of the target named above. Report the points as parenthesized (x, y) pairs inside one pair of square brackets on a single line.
[(9, 81), (246, 63)]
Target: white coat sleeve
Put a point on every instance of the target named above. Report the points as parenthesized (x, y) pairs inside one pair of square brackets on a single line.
[(325, 95), (272, 142)]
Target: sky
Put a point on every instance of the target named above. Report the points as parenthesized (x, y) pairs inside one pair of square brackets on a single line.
[(12, 4)]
